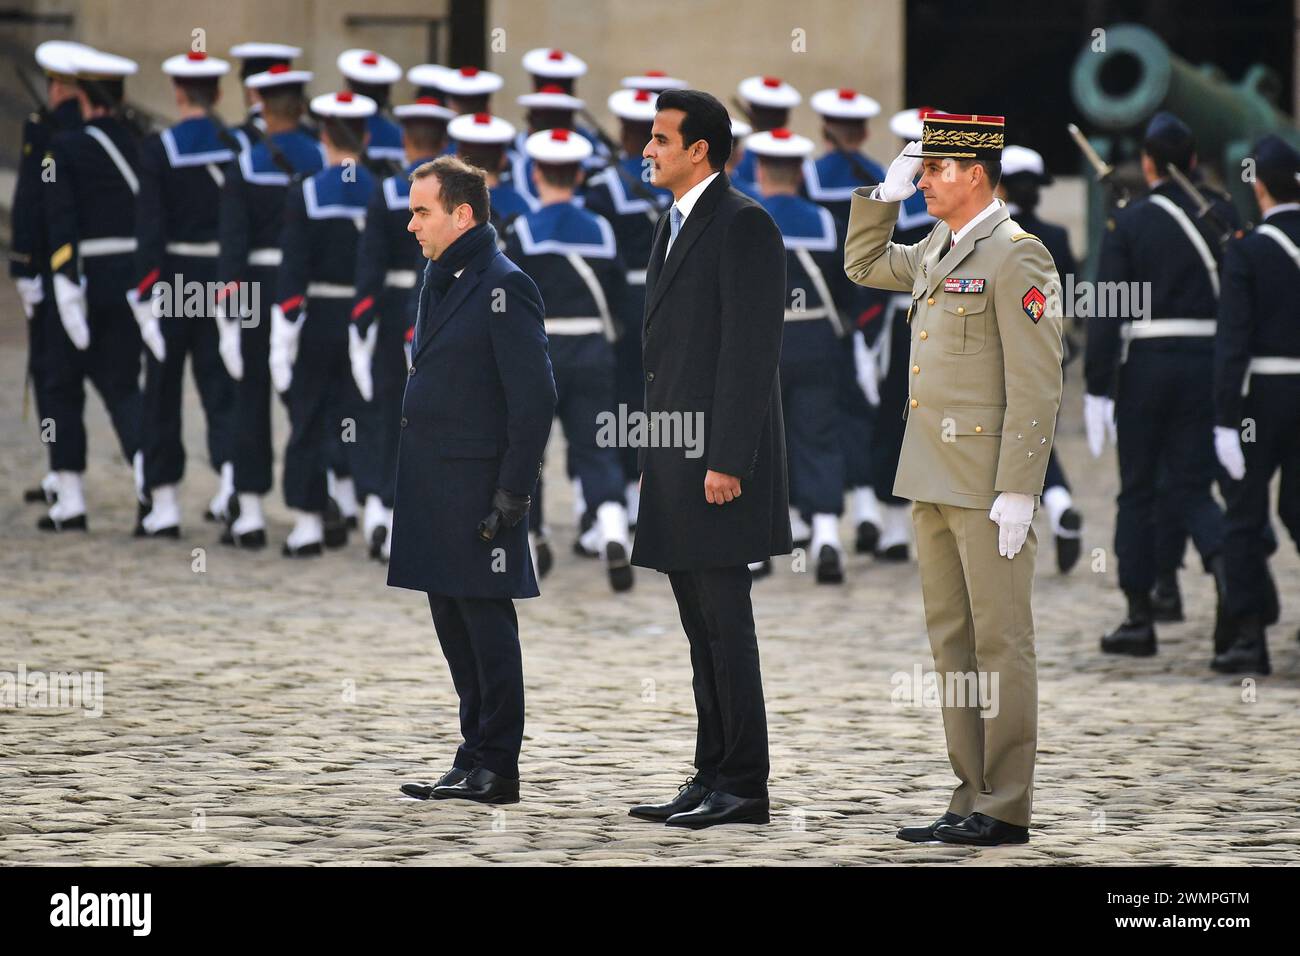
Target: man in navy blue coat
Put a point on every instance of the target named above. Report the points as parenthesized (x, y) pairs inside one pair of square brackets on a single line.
[(475, 420)]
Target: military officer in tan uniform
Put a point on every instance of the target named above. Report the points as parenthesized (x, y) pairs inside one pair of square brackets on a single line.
[(981, 411)]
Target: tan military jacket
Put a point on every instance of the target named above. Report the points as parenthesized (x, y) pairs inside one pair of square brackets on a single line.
[(985, 364)]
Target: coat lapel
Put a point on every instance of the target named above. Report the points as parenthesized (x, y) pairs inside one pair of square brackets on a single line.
[(692, 229), (456, 295), (953, 257)]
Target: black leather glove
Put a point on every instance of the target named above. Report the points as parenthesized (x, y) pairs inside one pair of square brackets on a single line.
[(507, 509)]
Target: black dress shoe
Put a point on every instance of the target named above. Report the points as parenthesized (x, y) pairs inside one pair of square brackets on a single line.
[(248, 539), (1167, 600), (482, 786), (980, 830), (867, 539), (424, 791), (1247, 652), (1069, 546), (719, 807), (925, 834), (689, 796), (46, 523), (378, 535), (829, 568), (1136, 636), (618, 567), (545, 559), (895, 552), (33, 495), (312, 550), (335, 528), (172, 531)]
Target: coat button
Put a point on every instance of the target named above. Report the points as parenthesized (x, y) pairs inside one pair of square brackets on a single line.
[(649, 376), (924, 335), (411, 370), (978, 429), (961, 310), (403, 421), (915, 403), (930, 301), (916, 370)]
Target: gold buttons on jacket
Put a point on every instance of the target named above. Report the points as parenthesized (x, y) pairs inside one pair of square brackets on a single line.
[(915, 403), (924, 335), (930, 301), (961, 310), (916, 370), (978, 429)]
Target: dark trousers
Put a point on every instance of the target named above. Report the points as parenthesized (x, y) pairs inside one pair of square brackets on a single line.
[(480, 640), (253, 455), (731, 739), (195, 336), (38, 358), (887, 435), (1165, 424), (384, 412), (1274, 404), (584, 391), (112, 364), (324, 416), (855, 419), (1055, 477), (812, 440)]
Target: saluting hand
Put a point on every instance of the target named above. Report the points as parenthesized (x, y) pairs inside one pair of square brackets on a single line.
[(720, 488)]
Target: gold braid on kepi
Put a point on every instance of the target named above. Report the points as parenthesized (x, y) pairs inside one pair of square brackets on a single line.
[(960, 136)]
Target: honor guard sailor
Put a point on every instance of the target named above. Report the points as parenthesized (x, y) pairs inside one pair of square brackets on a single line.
[(559, 69), (372, 75), (258, 57), (481, 140), (767, 101), (469, 89)]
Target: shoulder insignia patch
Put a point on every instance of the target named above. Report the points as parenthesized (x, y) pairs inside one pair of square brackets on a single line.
[(1033, 303), (1024, 235)]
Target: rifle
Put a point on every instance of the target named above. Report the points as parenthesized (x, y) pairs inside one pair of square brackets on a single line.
[(1205, 210), (39, 101), (1105, 172), (855, 158)]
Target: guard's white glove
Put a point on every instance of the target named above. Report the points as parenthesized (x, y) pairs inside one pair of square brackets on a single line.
[(900, 178), (864, 360), (1227, 445), (1098, 421), (1013, 512), (32, 291), (361, 351), (150, 329), (71, 298), (284, 347), (228, 342)]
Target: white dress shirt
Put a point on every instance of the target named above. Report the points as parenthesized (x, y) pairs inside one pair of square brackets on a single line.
[(687, 203)]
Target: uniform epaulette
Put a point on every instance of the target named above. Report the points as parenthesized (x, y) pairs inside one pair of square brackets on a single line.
[(1024, 235)]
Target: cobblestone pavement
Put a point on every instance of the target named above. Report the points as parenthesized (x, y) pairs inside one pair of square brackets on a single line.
[(262, 711)]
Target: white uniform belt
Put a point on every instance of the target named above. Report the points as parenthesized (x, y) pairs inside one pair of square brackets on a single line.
[(1275, 365), (330, 290), (575, 326), (795, 315), (636, 276), (205, 250), (400, 278), (265, 257), (106, 246), (1167, 328)]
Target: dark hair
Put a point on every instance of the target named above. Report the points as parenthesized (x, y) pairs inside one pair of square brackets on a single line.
[(560, 175), (992, 169), (1281, 184), (1022, 190), (283, 101), (201, 92), (1180, 152), (376, 91), (347, 133), (784, 170), (107, 94), (425, 136), (459, 184), (486, 156), (705, 119)]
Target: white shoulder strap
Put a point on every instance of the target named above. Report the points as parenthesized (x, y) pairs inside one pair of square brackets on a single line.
[(115, 154), (588, 276), (1281, 238), (1194, 234), (823, 290)]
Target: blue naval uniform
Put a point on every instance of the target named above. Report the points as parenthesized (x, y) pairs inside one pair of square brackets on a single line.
[(30, 258), (181, 176), (633, 216), (250, 222), (745, 176), (389, 265), (829, 181), (384, 145), (506, 204), (817, 293), (520, 163), (1257, 377), (89, 207), (323, 222), (554, 246), (1160, 371)]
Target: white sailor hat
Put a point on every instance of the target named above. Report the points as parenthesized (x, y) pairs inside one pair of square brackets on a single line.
[(344, 104), (558, 64), (367, 66), (480, 128), (844, 103), (907, 125), (779, 144), (635, 105), (770, 91), (654, 80), (1021, 159), (279, 75), (90, 63), (550, 97), (59, 57), (740, 129), (427, 76), (195, 65), (426, 107), (471, 81), (557, 146), (254, 50)]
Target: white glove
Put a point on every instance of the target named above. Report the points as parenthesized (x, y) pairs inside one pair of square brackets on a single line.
[(900, 179), (1013, 512), (284, 347), (150, 330), (868, 372), (71, 298), (32, 291), (361, 351), (1098, 421), (228, 343), (1227, 445)]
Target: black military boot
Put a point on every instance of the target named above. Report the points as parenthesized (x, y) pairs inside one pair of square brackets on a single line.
[(1224, 631), (1167, 599), (1137, 634), (1247, 653)]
